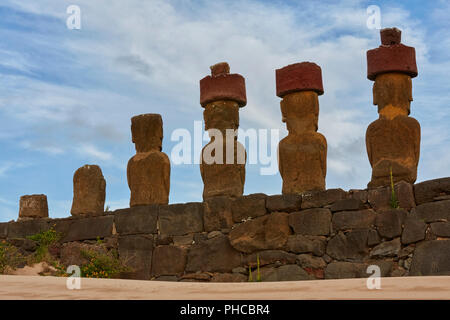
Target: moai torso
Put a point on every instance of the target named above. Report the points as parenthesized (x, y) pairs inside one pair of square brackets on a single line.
[(148, 172), (89, 190), (33, 206), (303, 153), (222, 94), (392, 141)]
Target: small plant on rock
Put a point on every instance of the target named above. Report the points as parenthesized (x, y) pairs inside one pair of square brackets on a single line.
[(394, 202), (258, 273)]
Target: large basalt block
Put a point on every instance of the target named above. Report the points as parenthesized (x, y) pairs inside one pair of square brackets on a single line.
[(136, 220), (85, 228), (427, 191), (136, 252), (3, 230), (351, 246), (317, 199), (218, 214), (213, 255), (361, 219), (380, 198), (181, 219), (387, 249), (314, 222), (168, 260), (347, 205), (389, 223), (263, 233), (250, 206), (23, 229), (284, 203), (33, 206), (431, 258), (433, 211), (441, 229), (413, 230), (307, 244), (345, 270)]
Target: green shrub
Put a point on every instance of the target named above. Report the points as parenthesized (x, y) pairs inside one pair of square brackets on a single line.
[(10, 257), (44, 239), (101, 265)]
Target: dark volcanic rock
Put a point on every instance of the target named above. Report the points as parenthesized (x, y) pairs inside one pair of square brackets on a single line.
[(268, 232), (314, 222), (181, 219), (251, 206), (428, 190), (213, 255), (136, 220), (284, 203), (431, 258)]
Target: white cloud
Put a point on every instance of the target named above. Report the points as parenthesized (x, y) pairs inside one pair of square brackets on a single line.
[(91, 151)]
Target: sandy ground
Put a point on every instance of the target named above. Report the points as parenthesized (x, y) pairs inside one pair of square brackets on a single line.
[(36, 287)]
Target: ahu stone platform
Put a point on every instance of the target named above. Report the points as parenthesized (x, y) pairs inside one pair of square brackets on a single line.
[(331, 234)]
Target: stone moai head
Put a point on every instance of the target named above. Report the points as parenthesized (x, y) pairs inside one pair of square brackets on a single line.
[(391, 66), (222, 94), (147, 132), (33, 206), (299, 85)]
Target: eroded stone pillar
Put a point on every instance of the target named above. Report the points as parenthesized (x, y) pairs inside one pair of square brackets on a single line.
[(89, 191), (303, 153), (148, 172), (392, 141), (223, 159), (33, 206)]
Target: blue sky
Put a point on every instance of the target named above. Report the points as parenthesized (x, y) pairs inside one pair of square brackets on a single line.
[(67, 96)]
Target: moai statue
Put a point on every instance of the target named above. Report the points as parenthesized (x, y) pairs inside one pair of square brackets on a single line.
[(302, 155), (148, 172), (223, 159), (392, 141), (33, 206), (88, 191)]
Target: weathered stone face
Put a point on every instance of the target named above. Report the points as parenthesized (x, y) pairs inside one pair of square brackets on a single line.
[(392, 141), (221, 115), (88, 191), (148, 172), (392, 93), (147, 132), (302, 154), (33, 206)]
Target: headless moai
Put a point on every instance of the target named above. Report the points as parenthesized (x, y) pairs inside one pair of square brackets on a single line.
[(222, 94), (392, 141), (89, 191), (148, 172), (33, 207), (302, 155)]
